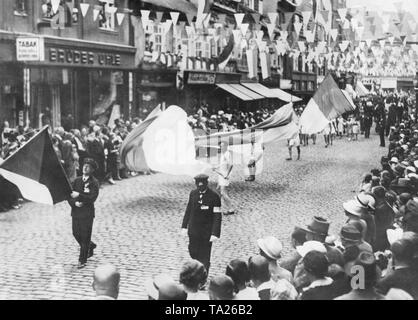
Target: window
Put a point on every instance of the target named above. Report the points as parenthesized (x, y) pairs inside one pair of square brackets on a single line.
[(69, 11), (199, 49), (296, 85), (158, 37), (311, 86), (21, 8), (107, 15), (304, 85)]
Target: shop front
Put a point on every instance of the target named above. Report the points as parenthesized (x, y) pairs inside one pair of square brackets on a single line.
[(73, 81), (11, 84), (219, 91)]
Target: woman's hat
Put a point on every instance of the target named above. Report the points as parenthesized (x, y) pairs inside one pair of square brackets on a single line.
[(309, 246), (354, 208), (394, 160), (366, 200), (271, 246)]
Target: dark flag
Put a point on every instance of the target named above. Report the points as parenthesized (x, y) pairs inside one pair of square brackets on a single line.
[(37, 172)]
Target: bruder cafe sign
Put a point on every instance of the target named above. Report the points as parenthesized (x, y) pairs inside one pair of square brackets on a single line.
[(35, 50)]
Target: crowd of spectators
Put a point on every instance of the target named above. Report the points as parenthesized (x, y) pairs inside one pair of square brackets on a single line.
[(373, 257)]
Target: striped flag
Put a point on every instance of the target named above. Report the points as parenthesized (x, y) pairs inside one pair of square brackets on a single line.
[(164, 142), (37, 172), (328, 103)]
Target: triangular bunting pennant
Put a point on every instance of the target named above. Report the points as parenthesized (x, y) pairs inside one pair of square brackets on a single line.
[(190, 17), (369, 42), (342, 13), (325, 15), (334, 34), (273, 17), (256, 18), (344, 45), (244, 28), (175, 17), (84, 7), (270, 28), (239, 17), (95, 13), (284, 34), (306, 15), (120, 17), (159, 16), (145, 14)]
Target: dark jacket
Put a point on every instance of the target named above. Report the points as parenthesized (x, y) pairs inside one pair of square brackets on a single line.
[(89, 191), (321, 293), (200, 219), (405, 279), (384, 218)]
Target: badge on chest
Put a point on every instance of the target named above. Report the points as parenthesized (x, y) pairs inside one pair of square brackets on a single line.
[(86, 188)]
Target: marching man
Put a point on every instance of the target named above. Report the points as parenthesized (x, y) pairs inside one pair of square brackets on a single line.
[(86, 191), (202, 220)]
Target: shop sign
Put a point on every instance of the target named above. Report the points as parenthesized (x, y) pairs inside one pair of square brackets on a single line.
[(83, 58), (390, 83), (30, 49), (201, 78)]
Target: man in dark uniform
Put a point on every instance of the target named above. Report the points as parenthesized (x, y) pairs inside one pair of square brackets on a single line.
[(86, 191), (203, 220)]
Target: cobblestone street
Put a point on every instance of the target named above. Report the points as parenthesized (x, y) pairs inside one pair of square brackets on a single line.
[(137, 225)]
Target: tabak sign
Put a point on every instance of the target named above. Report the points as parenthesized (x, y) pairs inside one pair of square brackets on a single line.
[(30, 49)]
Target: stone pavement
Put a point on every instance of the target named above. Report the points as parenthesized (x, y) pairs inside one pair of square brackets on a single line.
[(137, 224)]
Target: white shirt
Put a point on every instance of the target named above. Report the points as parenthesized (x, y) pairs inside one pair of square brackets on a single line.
[(319, 283), (247, 294), (197, 296)]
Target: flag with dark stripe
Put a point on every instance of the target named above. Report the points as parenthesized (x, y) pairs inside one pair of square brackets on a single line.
[(36, 170)]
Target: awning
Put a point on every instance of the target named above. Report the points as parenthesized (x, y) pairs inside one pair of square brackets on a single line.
[(257, 87), (232, 89), (284, 96), (271, 93), (247, 92)]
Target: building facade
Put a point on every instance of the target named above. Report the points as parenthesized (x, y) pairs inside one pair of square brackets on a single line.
[(65, 62)]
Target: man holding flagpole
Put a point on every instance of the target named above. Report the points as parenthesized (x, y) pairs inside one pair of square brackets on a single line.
[(85, 192)]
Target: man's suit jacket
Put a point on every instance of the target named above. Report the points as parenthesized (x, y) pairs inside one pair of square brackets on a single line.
[(89, 191), (405, 279), (200, 217)]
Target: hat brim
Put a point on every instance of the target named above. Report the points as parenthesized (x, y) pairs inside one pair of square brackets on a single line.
[(262, 246), (349, 209)]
